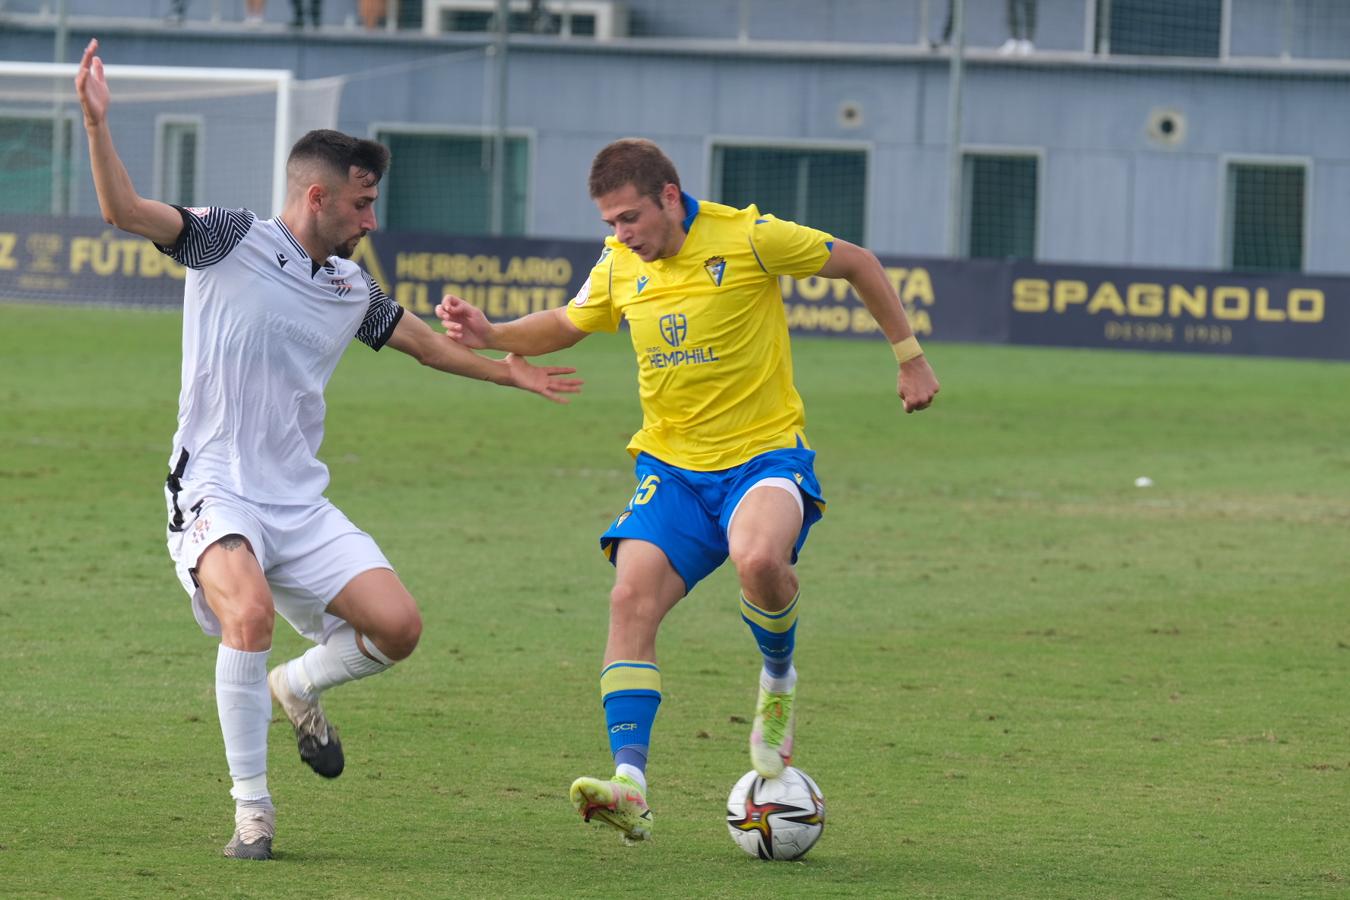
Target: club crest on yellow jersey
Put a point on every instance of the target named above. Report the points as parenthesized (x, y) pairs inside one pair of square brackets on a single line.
[(716, 267)]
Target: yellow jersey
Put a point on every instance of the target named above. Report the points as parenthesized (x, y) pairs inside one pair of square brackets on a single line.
[(710, 332)]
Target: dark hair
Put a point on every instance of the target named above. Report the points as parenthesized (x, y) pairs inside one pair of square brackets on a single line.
[(338, 152), (634, 161)]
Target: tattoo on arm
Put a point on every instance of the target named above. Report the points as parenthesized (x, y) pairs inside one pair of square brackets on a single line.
[(232, 542)]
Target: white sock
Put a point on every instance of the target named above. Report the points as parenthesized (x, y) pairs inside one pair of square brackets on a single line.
[(336, 662), (778, 685), (251, 791), (245, 708), (634, 773)]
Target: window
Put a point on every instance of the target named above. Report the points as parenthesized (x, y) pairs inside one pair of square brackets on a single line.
[(581, 18), (1001, 205), (1266, 203), (821, 188), (1160, 27), (37, 171), (443, 183), (178, 163)]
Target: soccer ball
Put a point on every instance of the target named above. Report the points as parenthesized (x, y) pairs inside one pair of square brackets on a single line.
[(776, 818)]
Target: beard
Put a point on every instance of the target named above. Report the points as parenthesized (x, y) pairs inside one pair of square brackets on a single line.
[(345, 251)]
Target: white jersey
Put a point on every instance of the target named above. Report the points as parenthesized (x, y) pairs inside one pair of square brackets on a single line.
[(263, 329)]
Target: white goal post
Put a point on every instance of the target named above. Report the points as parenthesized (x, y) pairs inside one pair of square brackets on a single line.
[(218, 128)]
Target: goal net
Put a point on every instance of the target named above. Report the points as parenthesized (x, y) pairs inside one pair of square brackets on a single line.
[(190, 136)]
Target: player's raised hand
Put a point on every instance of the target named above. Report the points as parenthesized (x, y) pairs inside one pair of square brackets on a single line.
[(92, 87), (916, 384), (464, 322), (546, 381)]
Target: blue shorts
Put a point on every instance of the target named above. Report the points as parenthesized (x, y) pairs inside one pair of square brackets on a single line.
[(686, 513)]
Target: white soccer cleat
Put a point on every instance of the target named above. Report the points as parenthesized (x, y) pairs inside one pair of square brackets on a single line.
[(254, 828), (314, 735)]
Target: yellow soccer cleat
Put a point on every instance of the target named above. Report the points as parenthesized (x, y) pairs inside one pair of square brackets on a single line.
[(619, 803), (771, 736)]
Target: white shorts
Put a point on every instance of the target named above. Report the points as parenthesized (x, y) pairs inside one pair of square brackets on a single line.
[(307, 553)]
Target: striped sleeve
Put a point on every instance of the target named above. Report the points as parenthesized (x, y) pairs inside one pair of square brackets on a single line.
[(381, 316), (208, 235)]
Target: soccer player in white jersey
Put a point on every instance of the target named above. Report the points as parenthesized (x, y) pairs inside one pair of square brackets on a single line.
[(269, 308), (723, 469)]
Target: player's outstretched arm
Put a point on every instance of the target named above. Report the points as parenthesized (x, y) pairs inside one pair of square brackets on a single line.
[(916, 384), (117, 197), (533, 335), (417, 339)]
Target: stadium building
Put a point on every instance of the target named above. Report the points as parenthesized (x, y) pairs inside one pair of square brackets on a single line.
[(1200, 135)]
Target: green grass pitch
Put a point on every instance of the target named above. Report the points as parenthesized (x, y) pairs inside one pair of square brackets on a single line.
[(1022, 676)]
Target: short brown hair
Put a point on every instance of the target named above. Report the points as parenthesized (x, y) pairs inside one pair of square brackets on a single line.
[(337, 153), (634, 161)]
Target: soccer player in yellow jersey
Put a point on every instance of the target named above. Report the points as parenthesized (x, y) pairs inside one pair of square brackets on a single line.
[(722, 463)]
